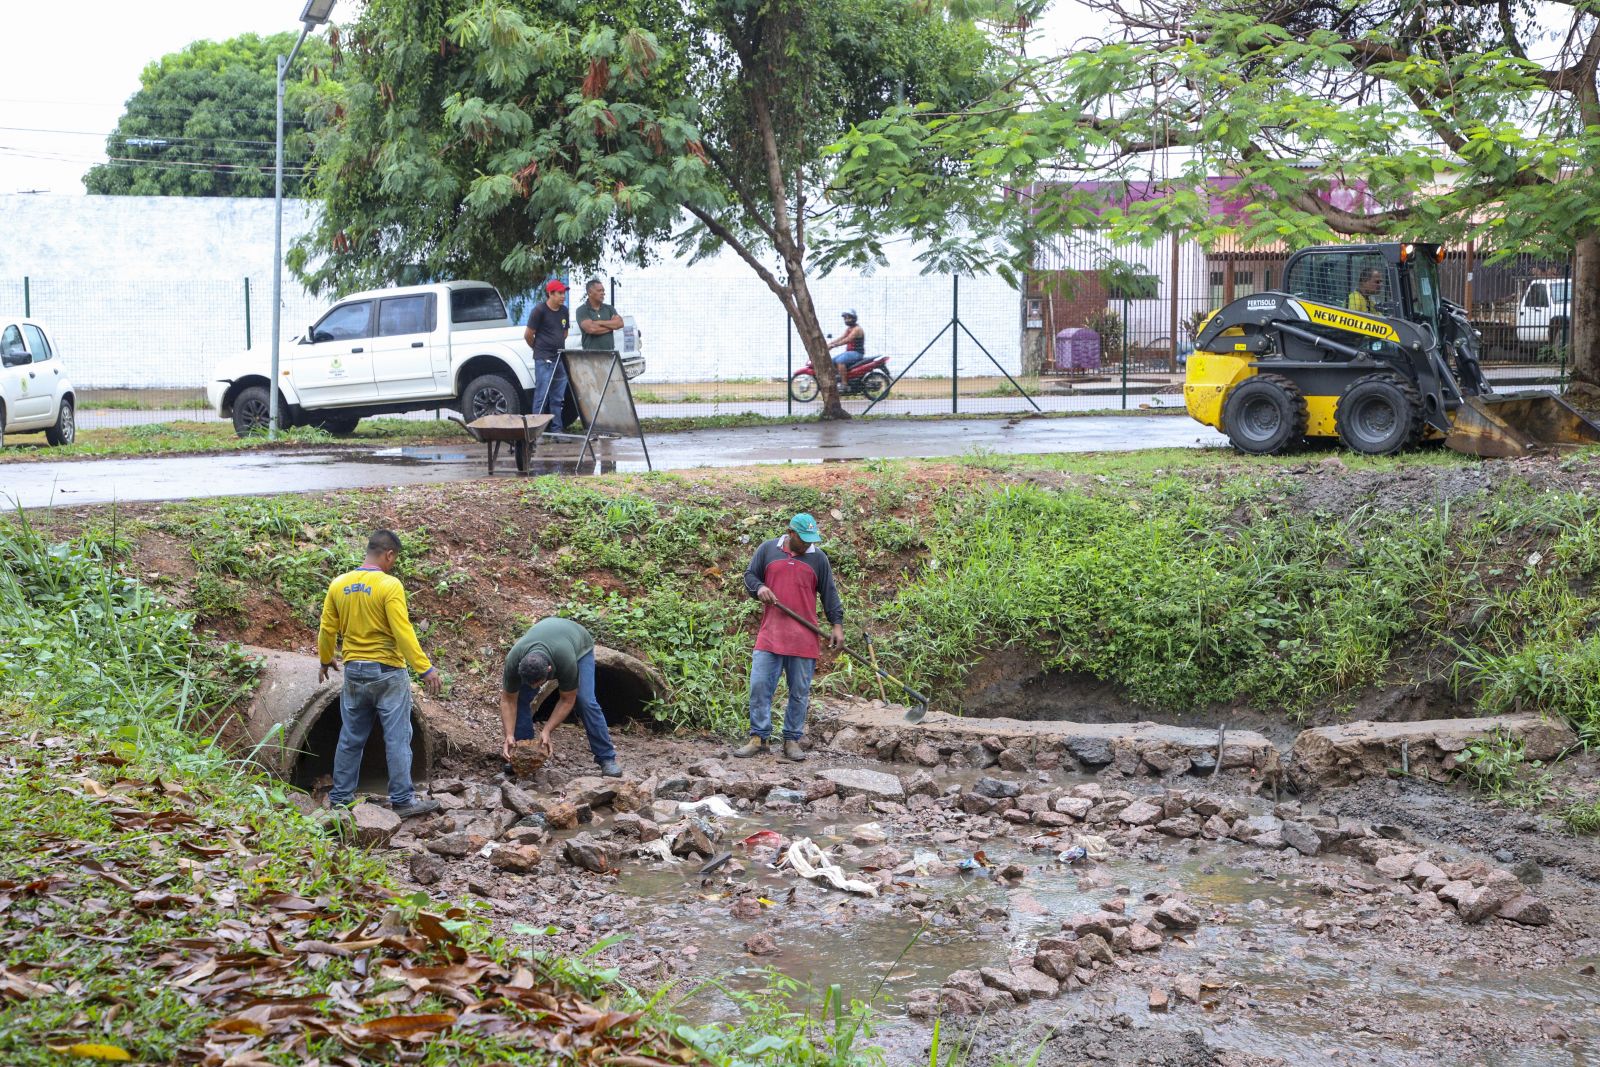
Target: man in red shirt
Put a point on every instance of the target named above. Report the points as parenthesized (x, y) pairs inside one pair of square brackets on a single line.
[(789, 570)]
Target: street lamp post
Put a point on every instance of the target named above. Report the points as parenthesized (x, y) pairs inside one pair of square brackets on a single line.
[(316, 13)]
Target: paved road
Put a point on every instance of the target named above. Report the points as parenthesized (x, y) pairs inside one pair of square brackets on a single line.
[(100, 419), (75, 482)]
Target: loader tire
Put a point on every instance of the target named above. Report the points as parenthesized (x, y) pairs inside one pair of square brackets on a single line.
[(1379, 415), (1265, 415)]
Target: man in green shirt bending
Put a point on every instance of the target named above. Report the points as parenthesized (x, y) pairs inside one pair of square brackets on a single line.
[(557, 649), (597, 320)]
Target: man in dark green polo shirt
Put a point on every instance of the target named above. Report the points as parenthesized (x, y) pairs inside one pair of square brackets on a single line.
[(597, 320), (562, 650)]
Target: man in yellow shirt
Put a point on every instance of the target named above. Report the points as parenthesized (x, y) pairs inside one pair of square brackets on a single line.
[(366, 608), (1368, 286)]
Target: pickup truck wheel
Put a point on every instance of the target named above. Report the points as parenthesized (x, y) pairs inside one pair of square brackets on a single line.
[(491, 394), (252, 411), (65, 431)]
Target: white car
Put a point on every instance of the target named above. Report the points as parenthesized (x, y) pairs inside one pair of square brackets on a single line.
[(35, 392), (384, 352), (1543, 311)]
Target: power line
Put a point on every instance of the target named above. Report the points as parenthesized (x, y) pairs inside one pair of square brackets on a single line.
[(205, 105), (135, 136), (128, 161)]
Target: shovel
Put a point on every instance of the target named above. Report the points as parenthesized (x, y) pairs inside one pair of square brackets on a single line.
[(919, 707)]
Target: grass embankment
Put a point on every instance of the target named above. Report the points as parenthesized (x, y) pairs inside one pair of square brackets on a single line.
[(1188, 579), (162, 904), (202, 438)]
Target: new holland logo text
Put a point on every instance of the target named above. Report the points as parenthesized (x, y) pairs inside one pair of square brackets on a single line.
[(1345, 321)]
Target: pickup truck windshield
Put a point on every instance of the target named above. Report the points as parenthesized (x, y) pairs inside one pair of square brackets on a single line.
[(478, 304)]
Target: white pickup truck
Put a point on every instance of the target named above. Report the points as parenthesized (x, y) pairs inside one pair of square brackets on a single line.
[(1543, 311), (389, 351)]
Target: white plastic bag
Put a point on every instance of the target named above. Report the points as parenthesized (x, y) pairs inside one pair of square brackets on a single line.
[(811, 863)]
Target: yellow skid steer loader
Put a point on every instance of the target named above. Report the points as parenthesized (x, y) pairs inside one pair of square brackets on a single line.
[(1361, 347)]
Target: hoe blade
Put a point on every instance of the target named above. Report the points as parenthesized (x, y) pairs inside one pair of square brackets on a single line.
[(1518, 424)]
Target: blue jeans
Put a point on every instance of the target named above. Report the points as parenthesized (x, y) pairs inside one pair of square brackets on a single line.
[(589, 713), (764, 669), (373, 691), (848, 360), (550, 389)]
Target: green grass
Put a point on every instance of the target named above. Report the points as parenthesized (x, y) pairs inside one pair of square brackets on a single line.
[(1582, 817), (191, 438)]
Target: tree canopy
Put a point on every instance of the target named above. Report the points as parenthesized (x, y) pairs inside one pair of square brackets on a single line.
[(202, 122), (1397, 117), (503, 139)]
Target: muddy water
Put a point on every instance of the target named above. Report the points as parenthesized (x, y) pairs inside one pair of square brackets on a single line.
[(1273, 990)]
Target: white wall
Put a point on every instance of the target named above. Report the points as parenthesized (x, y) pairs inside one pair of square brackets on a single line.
[(149, 291)]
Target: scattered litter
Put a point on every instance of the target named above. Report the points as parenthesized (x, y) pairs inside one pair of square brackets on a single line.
[(764, 839), (1072, 855), (975, 862), (811, 863), (657, 850), (1095, 848), (716, 862), (924, 861), (712, 805)]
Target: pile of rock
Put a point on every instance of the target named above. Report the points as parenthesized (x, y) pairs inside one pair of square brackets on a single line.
[(878, 731), (1476, 890), (1429, 748), (505, 822), (1089, 946)]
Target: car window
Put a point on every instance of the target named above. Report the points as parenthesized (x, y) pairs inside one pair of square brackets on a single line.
[(36, 343), (1538, 296), (11, 342), (347, 322), (477, 304), (405, 314)]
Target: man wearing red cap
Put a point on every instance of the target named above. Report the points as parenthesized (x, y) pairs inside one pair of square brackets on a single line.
[(547, 336)]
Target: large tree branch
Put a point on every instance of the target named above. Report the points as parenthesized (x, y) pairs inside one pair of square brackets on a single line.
[(783, 236), (729, 238), (777, 186), (732, 181)]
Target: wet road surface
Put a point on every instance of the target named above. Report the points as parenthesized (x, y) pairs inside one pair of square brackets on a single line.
[(76, 482)]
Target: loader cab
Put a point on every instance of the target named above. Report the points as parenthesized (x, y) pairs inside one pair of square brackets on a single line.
[(1394, 281)]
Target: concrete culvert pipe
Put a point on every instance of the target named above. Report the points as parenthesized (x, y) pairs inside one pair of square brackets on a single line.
[(292, 726), (625, 685)]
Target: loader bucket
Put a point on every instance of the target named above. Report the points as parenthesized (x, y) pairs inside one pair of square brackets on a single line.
[(1517, 424)]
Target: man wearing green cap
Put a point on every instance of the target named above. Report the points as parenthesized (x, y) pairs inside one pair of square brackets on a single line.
[(789, 570)]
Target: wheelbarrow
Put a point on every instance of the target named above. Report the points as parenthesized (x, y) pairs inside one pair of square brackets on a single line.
[(521, 432)]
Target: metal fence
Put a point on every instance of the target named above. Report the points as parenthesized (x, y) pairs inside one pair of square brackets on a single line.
[(1096, 327), (1108, 313)]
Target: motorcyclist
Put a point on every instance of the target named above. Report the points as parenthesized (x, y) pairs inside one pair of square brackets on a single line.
[(854, 340)]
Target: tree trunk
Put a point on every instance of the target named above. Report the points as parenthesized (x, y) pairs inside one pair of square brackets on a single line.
[(1585, 313), (804, 314)]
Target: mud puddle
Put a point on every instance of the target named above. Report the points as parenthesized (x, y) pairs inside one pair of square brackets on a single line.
[(1291, 958)]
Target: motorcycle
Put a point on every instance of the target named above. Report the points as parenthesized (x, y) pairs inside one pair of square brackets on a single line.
[(869, 378)]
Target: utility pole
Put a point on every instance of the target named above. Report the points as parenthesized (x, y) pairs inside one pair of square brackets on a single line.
[(316, 13)]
